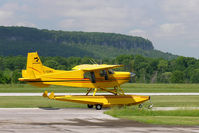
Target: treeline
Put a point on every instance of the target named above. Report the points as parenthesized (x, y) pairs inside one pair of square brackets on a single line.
[(147, 70), (150, 70), (21, 40)]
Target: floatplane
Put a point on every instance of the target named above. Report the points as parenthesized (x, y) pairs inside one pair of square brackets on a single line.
[(95, 77)]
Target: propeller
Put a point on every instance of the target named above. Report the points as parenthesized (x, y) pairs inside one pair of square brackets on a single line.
[(132, 74), (131, 77)]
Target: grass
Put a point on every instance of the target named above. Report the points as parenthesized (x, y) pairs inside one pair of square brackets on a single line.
[(35, 102), (129, 87), (25, 88), (174, 117), (158, 88), (175, 101)]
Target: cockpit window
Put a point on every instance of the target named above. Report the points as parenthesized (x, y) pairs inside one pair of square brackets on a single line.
[(91, 76), (110, 71), (104, 74), (87, 75)]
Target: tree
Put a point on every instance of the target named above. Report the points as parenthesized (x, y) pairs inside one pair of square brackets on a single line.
[(51, 63), (165, 77), (2, 78), (180, 63), (162, 66), (15, 75), (7, 74), (177, 77), (61, 67), (195, 76)]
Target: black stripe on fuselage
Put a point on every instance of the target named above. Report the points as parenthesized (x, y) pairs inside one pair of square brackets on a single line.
[(74, 81)]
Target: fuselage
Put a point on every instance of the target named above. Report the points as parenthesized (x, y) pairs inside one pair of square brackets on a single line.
[(85, 79)]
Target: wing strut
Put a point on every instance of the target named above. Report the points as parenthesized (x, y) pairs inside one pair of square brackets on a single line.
[(116, 91)]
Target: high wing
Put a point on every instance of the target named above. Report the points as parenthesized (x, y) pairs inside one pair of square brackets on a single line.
[(88, 67)]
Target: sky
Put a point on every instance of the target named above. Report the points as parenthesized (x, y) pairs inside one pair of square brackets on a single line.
[(171, 25)]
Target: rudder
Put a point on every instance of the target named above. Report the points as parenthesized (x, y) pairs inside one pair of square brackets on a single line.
[(34, 66), (34, 69)]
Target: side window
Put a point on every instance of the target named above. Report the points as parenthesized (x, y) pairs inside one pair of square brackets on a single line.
[(87, 75), (91, 76), (103, 73), (110, 71)]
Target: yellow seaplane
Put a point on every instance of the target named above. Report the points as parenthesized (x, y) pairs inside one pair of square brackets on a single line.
[(95, 77)]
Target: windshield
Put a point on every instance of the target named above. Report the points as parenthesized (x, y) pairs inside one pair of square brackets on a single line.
[(110, 71)]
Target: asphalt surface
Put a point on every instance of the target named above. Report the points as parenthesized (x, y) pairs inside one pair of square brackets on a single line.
[(39, 120), (145, 94)]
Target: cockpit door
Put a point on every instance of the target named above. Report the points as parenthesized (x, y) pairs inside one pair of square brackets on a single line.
[(104, 74), (90, 76)]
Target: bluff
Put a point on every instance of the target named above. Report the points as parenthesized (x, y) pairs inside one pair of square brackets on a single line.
[(20, 40)]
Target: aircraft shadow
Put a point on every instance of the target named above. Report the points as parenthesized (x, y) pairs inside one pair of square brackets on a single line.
[(49, 108)]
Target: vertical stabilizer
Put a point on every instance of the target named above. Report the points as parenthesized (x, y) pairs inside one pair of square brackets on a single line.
[(34, 66), (34, 70)]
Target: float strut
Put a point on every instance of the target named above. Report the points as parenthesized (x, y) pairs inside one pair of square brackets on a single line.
[(89, 90), (94, 91)]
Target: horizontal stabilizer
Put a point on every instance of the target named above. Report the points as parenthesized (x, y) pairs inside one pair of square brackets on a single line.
[(29, 79), (45, 94), (51, 96)]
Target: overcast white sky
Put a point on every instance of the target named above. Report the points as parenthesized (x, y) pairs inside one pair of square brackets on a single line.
[(172, 25)]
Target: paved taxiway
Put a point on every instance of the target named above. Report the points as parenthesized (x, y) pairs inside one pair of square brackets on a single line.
[(146, 94), (36, 120)]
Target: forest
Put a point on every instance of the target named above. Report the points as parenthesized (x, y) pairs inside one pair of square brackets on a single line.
[(147, 70)]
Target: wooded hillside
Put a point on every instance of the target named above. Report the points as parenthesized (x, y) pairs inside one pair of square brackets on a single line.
[(20, 40)]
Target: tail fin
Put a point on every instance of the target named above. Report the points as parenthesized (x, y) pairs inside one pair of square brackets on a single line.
[(34, 66), (34, 69)]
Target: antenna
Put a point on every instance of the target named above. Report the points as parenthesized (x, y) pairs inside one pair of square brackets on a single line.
[(94, 61), (91, 61)]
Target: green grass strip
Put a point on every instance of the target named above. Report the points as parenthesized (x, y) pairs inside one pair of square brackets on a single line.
[(128, 87), (173, 117), (35, 102)]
